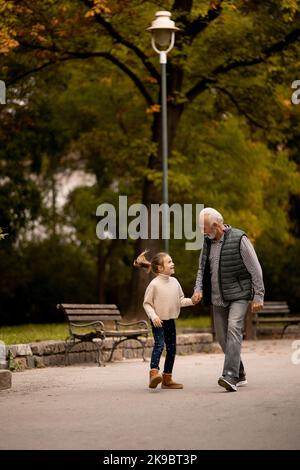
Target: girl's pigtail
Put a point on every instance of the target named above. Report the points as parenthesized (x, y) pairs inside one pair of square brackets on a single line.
[(142, 262)]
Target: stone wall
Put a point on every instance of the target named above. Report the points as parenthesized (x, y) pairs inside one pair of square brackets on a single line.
[(52, 353)]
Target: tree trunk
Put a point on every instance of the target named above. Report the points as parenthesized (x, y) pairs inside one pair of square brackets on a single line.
[(53, 204), (100, 272)]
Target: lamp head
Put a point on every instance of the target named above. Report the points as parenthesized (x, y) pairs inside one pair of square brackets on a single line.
[(162, 28)]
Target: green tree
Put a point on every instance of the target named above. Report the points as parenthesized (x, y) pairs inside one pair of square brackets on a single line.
[(236, 50)]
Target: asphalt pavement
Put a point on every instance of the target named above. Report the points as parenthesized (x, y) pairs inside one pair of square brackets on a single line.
[(87, 407)]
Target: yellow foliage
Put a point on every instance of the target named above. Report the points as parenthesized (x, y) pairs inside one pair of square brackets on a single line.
[(154, 108), (7, 43), (100, 6), (150, 79)]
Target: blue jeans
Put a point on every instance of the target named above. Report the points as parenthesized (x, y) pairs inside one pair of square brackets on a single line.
[(229, 324), (164, 335)]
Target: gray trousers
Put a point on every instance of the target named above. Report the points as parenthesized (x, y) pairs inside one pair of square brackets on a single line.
[(229, 324)]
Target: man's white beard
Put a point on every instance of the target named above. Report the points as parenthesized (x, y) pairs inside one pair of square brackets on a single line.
[(212, 235)]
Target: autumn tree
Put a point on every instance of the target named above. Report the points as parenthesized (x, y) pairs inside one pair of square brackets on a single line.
[(236, 50)]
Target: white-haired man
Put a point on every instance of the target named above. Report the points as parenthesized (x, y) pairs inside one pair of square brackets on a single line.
[(229, 276)]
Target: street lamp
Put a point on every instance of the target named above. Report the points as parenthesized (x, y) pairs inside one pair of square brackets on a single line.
[(163, 39)]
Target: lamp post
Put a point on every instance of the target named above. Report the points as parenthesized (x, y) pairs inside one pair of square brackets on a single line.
[(163, 39)]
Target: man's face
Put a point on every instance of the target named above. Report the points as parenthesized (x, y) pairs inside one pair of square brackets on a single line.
[(207, 229)]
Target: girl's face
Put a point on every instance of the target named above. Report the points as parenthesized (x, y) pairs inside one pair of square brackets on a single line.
[(168, 267)]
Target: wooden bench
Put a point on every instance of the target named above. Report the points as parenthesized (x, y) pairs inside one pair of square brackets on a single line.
[(275, 313), (88, 322)]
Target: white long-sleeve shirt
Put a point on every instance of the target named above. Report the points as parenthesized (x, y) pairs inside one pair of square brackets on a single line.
[(164, 298)]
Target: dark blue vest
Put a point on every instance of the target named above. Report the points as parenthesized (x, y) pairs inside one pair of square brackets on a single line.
[(234, 279)]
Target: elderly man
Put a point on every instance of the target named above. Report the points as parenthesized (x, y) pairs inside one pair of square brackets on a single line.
[(229, 276)]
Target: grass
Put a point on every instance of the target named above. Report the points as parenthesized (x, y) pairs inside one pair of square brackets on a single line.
[(33, 332), (193, 322), (59, 331)]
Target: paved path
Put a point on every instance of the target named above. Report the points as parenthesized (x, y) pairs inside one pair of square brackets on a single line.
[(86, 407)]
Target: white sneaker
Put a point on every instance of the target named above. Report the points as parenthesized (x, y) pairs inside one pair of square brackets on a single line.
[(242, 381)]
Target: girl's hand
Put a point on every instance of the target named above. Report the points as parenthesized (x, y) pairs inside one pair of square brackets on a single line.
[(157, 322)]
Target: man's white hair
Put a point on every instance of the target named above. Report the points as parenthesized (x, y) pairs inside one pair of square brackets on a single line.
[(213, 216)]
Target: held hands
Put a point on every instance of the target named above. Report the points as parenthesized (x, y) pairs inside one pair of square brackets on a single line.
[(256, 306), (157, 322), (197, 297)]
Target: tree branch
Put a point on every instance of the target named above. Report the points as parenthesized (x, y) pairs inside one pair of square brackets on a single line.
[(202, 22), (118, 38), (240, 110), (107, 55), (222, 69), (86, 55), (31, 71)]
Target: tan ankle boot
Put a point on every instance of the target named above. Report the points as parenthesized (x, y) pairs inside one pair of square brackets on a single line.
[(155, 378), (167, 382)]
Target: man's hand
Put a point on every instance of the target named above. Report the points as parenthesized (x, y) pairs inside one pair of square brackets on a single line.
[(157, 322), (197, 297), (256, 307)]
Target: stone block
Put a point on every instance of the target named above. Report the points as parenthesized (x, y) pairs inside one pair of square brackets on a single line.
[(108, 342), (207, 348), (90, 356), (204, 337), (216, 348), (5, 379), (130, 343), (181, 339), (43, 348), (148, 352), (38, 361), (118, 354), (54, 360), (37, 348), (128, 353), (89, 346), (150, 342), (74, 358), (20, 349), (20, 364), (30, 362)]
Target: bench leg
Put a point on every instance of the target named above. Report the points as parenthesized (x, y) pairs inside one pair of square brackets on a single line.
[(70, 342), (66, 358), (286, 326), (255, 327), (114, 346), (101, 362), (143, 343)]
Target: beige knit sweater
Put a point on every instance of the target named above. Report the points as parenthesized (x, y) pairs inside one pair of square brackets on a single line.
[(164, 298)]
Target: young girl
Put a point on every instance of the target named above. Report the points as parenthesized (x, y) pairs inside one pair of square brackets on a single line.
[(162, 302)]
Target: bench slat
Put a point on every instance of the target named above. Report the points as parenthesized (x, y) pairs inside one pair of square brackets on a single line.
[(275, 306), (92, 312), (80, 318), (117, 333), (275, 302), (279, 320), (274, 312), (89, 306)]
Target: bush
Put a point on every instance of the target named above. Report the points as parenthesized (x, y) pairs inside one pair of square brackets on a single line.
[(39, 275)]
